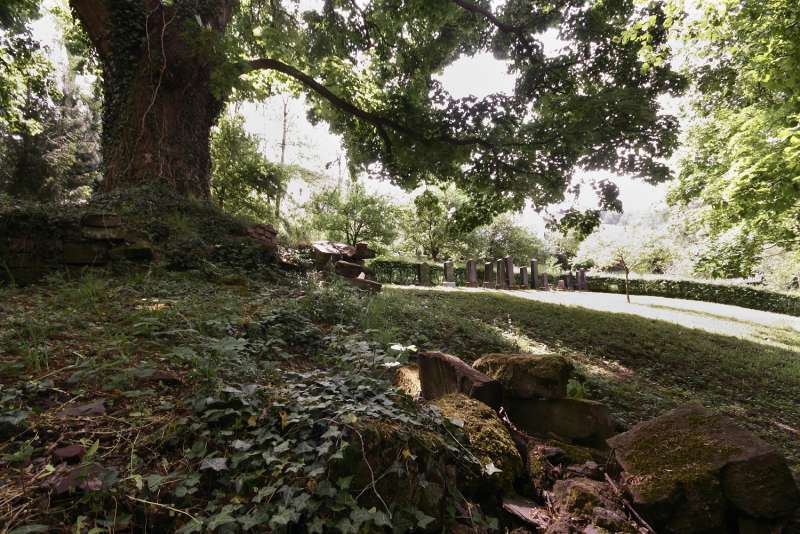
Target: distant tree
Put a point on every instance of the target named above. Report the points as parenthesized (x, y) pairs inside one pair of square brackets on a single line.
[(430, 226), (243, 181), (49, 127), (504, 237), (625, 248), (563, 246), (354, 215), (26, 75)]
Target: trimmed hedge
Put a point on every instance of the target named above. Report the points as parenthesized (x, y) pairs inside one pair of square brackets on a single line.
[(720, 293)]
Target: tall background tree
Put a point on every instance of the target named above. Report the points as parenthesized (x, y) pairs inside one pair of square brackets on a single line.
[(430, 227), (368, 70), (49, 122), (243, 181), (741, 171)]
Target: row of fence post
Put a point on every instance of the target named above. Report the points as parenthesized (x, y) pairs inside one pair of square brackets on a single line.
[(499, 274)]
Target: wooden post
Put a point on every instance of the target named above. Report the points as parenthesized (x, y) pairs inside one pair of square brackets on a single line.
[(534, 273)]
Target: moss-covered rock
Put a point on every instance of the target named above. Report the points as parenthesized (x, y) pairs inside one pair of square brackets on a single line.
[(688, 467), (527, 376), (488, 438), (580, 496)]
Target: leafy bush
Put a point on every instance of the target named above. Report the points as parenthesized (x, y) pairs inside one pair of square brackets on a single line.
[(721, 293)]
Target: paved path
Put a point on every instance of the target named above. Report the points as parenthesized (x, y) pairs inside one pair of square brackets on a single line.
[(717, 318)]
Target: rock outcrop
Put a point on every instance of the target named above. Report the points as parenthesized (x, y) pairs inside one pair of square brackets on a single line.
[(690, 470)]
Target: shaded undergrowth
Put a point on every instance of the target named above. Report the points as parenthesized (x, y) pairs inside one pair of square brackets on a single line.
[(640, 367)]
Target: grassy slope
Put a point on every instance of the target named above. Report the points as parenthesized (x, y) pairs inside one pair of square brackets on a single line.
[(68, 342), (640, 367)]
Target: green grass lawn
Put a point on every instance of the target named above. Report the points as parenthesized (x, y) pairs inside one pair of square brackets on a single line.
[(639, 367)]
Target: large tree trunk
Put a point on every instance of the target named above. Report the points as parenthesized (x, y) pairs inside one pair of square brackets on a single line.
[(159, 107)]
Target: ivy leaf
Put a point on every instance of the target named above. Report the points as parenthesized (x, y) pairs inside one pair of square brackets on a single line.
[(491, 469), (423, 520), (457, 422), (217, 464)]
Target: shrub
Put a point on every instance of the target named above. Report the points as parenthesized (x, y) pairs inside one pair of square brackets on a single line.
[(718, 292)]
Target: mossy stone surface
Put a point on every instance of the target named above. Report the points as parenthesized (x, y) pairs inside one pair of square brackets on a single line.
[(489, 440), (528, 376), (685, 468)]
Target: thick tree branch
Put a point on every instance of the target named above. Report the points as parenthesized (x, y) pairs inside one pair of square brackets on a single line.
[(380, 122), (94, 17)]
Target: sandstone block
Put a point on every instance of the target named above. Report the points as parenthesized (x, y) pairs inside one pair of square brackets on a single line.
[(441, 374), (528, 376), (580, 421), (688, 467)]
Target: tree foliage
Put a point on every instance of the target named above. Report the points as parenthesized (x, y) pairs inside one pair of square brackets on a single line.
[(243, 181), (430, 227), (369, 68), (353, 215), (505, 237), (743, 152), (26, 82), (49, 126)]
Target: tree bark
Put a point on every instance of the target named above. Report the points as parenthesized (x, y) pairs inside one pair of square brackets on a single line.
[(627, 291), (159, 106)]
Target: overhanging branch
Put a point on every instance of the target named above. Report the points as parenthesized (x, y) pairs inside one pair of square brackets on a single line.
[(380, 122), (501, 25)]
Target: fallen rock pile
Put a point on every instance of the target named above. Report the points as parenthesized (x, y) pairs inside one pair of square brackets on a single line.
[(560, 466), (347, 261)]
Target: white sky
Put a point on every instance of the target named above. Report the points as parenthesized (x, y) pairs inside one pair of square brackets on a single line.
[(316, 148)]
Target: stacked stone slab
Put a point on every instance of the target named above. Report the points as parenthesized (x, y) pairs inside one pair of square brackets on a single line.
[(347, 261), (327, 253), (688, 471), (441, 374), (97, 239), (264, 234)]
